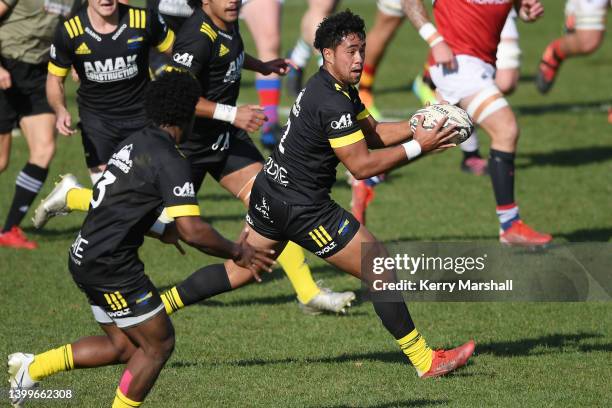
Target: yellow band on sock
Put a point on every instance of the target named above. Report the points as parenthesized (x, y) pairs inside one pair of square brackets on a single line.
[(78, 199), (121, 401), (51, 362), (172, 300), (293, 262), (415, 347)]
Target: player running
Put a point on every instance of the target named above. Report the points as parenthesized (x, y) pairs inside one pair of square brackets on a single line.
[(290, 199), (462, 69), (209, 45), (108, 44), (586, 26), (145, 172)]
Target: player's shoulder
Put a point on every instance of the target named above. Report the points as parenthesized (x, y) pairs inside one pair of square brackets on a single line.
[(135, 17), (74, 26), (199, 25), (329, 94)]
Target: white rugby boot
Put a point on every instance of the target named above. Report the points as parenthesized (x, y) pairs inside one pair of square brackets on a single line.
[(19, 377), (55, 203), (328, 301)]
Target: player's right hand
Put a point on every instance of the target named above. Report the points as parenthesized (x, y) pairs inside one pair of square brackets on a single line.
[(253, 258), (5, 79), (63, 123), (250, 117), (436, 139), (443, 55)]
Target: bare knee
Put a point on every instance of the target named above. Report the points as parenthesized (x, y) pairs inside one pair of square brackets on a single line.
[(589, 43), (506, 85), (42, 153), (161, 349), (124, 348)]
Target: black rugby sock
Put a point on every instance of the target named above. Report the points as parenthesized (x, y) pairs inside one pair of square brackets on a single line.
[(501, 168), (29, 182)]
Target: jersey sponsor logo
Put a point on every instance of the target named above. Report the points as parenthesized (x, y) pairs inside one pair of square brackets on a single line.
[(93, 34), (112, 69), (186, 190), (119, 32), (223, 50), (342, 227), (326, 249), (342, 123), (276, 172), (234, 71), (184, 59), (82, 49), (77, 248), (263, 208), (120, 313), (229, 37), (121, 159)]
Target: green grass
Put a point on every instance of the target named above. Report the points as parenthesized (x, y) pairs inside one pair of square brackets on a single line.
[(254, 348)]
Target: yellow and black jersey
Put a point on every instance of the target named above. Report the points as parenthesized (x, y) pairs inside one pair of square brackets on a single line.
[(215, 57), (147, 172), (112, 68), (325, 115)]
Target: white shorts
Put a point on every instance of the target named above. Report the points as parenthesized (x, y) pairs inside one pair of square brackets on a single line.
[(590, 14), (390, 7), (471, 76)]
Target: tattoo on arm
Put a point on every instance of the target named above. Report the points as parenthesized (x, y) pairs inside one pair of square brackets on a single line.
[(416, 13)]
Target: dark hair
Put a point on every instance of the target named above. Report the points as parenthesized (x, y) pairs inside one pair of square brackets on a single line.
[(195, 4), (170, 100), (334, 28)]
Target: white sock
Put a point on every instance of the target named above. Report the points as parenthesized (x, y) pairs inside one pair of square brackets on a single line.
[(300, 53)]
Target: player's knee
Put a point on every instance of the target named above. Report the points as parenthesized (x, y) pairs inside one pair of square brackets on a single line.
[(160, 349), (124, 349), (590, 43), (42, 153)]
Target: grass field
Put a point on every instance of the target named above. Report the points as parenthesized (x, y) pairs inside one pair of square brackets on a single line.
[(253, 347)]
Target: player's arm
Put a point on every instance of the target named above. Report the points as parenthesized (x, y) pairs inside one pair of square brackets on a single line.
[(417, 14), (161, 35), (529, 10), (383, 134), (278, 66), (60, 62), (363, 163)]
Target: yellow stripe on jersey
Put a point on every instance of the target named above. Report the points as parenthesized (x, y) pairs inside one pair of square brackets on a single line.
[(57, 71), (363, 114), (143, 19), (183, 210), (206, 29), (131, 18), (69, 29), (329, 239), (313, 236), (137, 18), (77, 20), (75, 29), (167, 43), (346, 140)]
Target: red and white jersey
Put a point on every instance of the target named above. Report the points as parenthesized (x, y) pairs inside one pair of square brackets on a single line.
[(472, 27)]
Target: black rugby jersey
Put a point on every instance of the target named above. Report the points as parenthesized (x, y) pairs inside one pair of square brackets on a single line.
[(113, 68), (302, 167), (215, 57), (146, 172)]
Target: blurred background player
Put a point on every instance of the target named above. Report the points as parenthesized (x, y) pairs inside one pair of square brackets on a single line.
[(108, 46), (303, 48), (263, 20), (462, 69), (585, 28), (389, 18), (26, 32)]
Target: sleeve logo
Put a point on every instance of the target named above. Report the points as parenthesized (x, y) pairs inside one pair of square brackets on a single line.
[(186, 190), (342, 123), (184, 59)]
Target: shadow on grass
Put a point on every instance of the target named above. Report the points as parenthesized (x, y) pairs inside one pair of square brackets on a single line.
[(552, 343), (567, 158), (50, 233), (587, 235), (540, 109), (395, 404)]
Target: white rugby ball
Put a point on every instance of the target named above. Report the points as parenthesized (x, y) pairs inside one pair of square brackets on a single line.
[(456, 116)]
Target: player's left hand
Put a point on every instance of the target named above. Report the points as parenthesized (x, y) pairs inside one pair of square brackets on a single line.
[(531, 10), (253, 258), (280, 66)]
